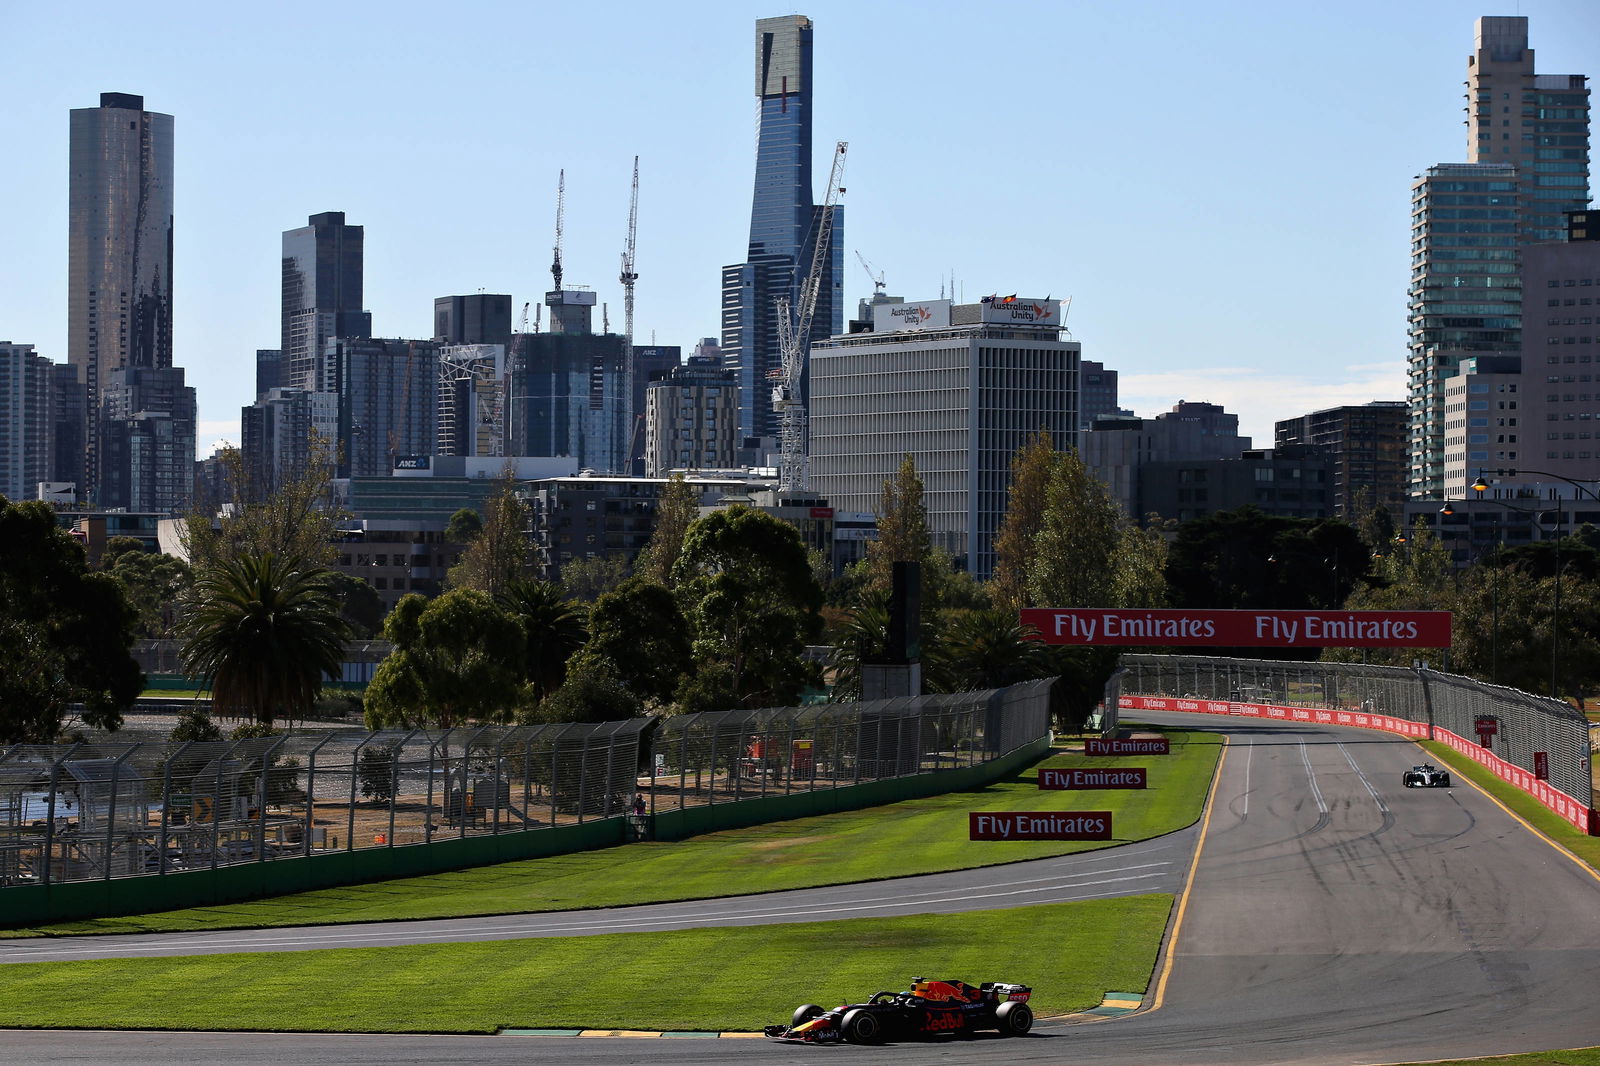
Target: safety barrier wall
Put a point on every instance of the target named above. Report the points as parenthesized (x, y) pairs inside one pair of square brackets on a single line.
[(102, 827), (1415, 703)]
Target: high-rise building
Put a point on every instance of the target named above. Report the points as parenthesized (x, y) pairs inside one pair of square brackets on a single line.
[(1366, 444), (119, 253), (1117, 448), (277, 431), (269, 371), (691, 419), (26, 380), (652, 362), (566, 391), (322, 279), (959, 393), (783, 225), (481, 318), (147, 432), (1527, 164), (387, 395), (1097, 394)]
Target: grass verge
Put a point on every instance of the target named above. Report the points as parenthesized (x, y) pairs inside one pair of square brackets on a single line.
[(916, 837), (1526, 807), (1580, 1057), (699, 979)]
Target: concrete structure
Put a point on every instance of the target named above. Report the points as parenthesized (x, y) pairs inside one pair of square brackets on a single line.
[(387, 400), (1291, 482), (1560, 413), (1117, 448), (1097, 394), (1527, 164), (691, 418), (1481, 419), (119, 254), (147, 440), (567, 392), (431, 488), (397, 556), (959, 392), (481, 318), (26, 381), (1367, 444), (783, 222), (322, 294)]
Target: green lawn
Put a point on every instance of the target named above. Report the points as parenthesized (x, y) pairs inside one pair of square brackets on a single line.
[(1529, 809), (1581, 1057), (915, 837), (700, 979)]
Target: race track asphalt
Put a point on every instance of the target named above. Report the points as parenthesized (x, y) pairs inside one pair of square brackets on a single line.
[(1334, 919)]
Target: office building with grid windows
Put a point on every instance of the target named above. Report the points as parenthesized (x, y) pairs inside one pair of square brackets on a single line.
[(959, 389)]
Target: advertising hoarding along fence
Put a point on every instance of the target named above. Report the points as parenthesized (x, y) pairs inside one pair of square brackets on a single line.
[(1127, 746), (1240, 629)]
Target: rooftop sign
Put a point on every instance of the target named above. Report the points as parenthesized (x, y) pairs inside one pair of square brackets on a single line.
[(892, 318), (1016, 310)]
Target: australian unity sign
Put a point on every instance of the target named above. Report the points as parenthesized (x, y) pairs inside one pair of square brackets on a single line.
[(1240, 629)]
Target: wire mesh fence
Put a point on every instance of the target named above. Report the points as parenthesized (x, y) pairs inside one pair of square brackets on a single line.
[(108, 807), (1524, 723)]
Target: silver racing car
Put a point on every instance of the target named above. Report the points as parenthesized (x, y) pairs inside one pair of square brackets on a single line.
[(1426, 776)]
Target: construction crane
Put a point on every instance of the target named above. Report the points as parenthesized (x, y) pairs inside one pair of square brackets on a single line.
[(561, 214), (628, 277), (794, 343), (877, 279)]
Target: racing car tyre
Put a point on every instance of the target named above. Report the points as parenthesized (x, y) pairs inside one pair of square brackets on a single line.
[(805, 1013), (1444, 780), (1014, 1019), (860, 1027)]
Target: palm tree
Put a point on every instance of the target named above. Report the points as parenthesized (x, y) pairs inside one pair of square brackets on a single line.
[(990, 649), (262, 633), (553, 626)]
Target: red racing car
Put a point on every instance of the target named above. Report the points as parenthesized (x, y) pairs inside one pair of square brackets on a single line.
[(930, 1009)]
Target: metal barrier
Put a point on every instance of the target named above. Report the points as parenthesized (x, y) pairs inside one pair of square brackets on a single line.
[(106, 808), (1525, 723)]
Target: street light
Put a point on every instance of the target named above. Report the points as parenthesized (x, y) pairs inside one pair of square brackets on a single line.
[(1494, 632)]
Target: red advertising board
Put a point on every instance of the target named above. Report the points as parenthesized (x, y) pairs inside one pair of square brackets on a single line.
[(1145, 746), (1240, 629), (1127, 777), (1039, 825), (1486, 725), (1541, 766)]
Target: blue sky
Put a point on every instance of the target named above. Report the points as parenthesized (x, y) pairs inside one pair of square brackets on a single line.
[(1221, 188)]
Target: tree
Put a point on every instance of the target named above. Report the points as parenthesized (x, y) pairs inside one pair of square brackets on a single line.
[(589, 579), (455, 658), (499, 554), (864, 639), (752, 602), (638, 631), (552, 631), (990, 649), (156, 585), (378, 771), (262, 633), (1245, 559), (194, 724), (674, 513), (592, 693), (294, 517), (1076, 546), (1015, 543), (464, 526), (66, 633), (359, 604), (1139, 576), (902, 527)]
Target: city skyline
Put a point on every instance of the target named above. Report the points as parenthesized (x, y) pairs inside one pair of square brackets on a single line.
[(1233, 231)]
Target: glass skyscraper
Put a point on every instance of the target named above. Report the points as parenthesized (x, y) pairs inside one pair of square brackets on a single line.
[(119, 251), (322, 279), (1527, 152), (783, 222)]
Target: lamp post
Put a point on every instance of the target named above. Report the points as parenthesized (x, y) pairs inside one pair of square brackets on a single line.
[(1494, 598)]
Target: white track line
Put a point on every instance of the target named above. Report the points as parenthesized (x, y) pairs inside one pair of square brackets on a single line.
[(1249, 757), (509, 932), (1311, 775), (1372, 791)]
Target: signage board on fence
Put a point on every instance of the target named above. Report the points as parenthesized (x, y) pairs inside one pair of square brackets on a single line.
[(1240, 629), (1128, 777), (1541, 766), (1039, 825), (1127, 746)]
